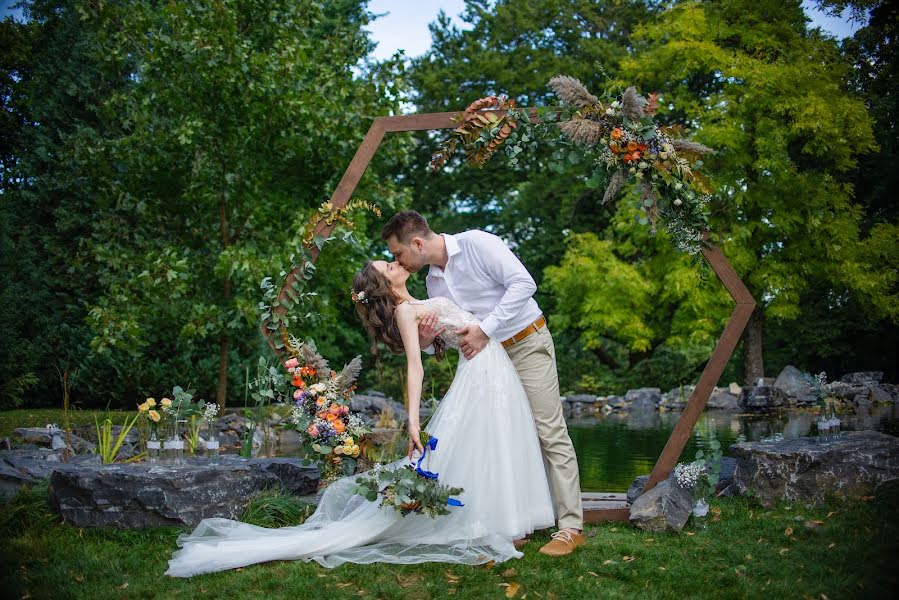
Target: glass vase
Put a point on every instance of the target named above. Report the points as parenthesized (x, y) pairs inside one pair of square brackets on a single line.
[(154, 447), (174, 443), (701, 508), (212, 446)]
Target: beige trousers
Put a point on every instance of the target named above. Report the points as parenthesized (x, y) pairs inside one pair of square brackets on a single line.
[(534, 358)]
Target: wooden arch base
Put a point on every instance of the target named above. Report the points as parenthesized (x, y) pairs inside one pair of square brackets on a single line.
[(598, 506)]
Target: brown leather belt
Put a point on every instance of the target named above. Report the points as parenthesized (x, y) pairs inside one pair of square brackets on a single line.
[(532, 328)]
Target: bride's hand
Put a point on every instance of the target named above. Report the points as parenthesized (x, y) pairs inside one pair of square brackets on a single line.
[(414, 442)]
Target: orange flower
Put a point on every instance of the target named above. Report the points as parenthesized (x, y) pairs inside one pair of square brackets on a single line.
[(614, 147), (643, 147), (334, 409), (298, 381), (320, 401), (616, 133), (628, 158), (631, 146), (339, 427), (635, 155)]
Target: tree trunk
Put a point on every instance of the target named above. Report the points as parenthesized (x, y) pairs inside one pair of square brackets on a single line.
[(753, 365), (221, 391)]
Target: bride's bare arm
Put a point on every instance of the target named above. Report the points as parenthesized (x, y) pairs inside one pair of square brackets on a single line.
[(407, 322)]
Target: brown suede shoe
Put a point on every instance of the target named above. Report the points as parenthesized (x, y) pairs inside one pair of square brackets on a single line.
[(519, 544), (563, 542)]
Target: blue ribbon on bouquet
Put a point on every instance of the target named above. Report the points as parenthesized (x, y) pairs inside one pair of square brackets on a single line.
[(432, 445)]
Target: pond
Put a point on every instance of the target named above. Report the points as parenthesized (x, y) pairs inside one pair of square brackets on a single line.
[(614, 449)]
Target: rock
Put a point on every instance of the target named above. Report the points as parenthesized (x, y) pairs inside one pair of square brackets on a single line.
[(806, 470), (231, 418), (55, 439), (636, 488), (643, 399), (666, 507), (882, 394), (32, 465), (5, 444), (795, 385), (862, 377), (615, 402), (135, 495), (578, 405), (847, 391), (725, 485), (762, 398), (371, 405), (734, 389), (723, 400)]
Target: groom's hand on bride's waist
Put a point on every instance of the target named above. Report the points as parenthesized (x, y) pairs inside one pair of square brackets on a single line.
[(473, 340), (428, 330)]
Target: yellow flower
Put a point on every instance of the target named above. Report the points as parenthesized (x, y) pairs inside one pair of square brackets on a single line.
[(151, 402), (165, 402), (338, 450), (143, 407), (154, 416)]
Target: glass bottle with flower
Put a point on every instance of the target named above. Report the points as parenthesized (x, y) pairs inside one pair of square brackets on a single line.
[(210, 411), (828, 422), (154, 422)]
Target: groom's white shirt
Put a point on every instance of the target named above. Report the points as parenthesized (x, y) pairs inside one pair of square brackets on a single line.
[(485, 278)]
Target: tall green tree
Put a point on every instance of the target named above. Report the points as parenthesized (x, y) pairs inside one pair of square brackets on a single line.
[(191, 175), (769, 95)]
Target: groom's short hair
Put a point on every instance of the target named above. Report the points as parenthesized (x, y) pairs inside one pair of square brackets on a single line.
[(406, 225)]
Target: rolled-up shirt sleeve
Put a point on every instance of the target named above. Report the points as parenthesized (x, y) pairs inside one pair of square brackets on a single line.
[(504, 267)]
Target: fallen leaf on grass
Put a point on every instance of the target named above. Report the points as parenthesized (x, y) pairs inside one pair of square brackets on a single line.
[(511, 589), (716, 513), (812, 524), (124, 586), (662, 569), (343, 585), (788, 531), (489, 564), (649, 541), (321, 575), (831, 513), (832, 544), (451, 578), (628, 558), (592, 573), (79, 578), (747, 557), (783, 551), (609, 562), (509, 573), (866, 498), (691, 533), (613, 529)]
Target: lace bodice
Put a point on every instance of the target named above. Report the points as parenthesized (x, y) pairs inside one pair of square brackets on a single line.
[(449, 315)]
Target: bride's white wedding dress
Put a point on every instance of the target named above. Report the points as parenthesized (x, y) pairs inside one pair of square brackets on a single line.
[(487, 445)]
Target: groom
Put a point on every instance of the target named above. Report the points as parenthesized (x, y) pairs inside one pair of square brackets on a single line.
[(477, 271)]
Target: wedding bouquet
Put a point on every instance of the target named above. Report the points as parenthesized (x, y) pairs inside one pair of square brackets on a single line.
[(409, 489)]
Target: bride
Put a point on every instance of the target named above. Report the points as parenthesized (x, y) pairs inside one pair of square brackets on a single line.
[(487, 445)]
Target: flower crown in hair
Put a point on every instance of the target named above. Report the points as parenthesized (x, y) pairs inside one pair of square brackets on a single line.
[(360, 297)]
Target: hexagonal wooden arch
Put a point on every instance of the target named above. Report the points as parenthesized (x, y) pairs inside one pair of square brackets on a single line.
[(598, 506)]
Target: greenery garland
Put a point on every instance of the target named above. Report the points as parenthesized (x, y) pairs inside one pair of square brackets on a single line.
[(617, 134)]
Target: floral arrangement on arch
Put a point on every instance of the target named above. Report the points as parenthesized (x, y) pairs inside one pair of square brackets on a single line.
[(321, 412), (618, 135)]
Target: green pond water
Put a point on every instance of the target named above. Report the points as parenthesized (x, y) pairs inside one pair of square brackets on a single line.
[(614, 449)]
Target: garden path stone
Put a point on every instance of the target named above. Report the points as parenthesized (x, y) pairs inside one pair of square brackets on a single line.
[(138, 495), (807, 470)]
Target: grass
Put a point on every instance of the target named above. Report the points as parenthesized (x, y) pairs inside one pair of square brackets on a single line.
[(842, 550)]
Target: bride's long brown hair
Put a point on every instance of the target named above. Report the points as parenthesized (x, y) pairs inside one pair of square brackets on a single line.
[(376, 306)]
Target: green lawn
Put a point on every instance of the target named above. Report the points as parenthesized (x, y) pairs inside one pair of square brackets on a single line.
[(843, 550)]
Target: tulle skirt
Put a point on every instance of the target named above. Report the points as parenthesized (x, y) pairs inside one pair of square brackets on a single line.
[(487, 445)]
